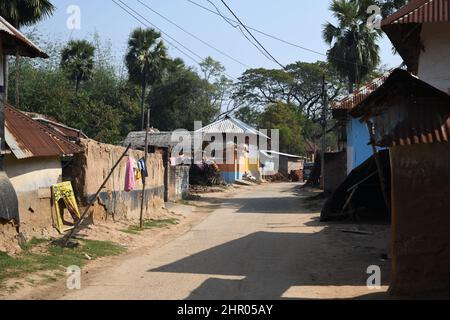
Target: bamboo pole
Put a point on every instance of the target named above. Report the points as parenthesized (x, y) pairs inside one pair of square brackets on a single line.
[(144, 180), (379, 168), (94, 199)]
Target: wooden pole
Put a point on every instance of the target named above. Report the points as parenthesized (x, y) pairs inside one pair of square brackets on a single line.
[(77, 225), (144, 180), (378, 164), (324, 132)]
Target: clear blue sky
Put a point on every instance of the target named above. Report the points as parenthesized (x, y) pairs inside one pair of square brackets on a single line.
[(297, 21)]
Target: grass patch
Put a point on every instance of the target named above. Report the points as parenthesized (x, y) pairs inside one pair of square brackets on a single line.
[(150, 224), (53, 258)]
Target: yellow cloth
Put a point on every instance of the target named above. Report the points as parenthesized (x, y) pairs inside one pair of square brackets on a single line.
[(64, 191)]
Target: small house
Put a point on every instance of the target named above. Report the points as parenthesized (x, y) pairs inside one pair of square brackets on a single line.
[(239, 152), (12, 42), (410, 114), (176, 172), (33, 163)]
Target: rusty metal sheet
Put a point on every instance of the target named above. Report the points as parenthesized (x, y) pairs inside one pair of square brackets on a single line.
[(27, 138), (420, 11), (406, 111)]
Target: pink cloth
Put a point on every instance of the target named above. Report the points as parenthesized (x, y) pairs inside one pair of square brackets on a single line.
[(130, 179)]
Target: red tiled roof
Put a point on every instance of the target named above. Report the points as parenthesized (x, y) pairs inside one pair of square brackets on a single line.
[(28, 138), (349, 102), (420, 11)]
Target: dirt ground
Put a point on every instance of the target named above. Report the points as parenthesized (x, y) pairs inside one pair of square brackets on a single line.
[(259, 242)]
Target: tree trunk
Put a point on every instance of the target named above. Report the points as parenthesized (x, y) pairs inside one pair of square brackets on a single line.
[(144, 88), (77, 85), (17, 95), (6, 71)]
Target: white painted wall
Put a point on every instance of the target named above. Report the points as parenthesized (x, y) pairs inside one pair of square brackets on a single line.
[(434, 61), (29, 175)]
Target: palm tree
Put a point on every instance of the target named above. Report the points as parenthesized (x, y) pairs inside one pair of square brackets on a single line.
[(77, 60), (145, 60), (354, 50), (23, 13)]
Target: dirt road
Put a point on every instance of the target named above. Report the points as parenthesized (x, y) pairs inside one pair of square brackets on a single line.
[(263, 242)]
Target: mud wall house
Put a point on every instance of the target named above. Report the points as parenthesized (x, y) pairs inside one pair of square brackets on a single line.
[(238, 136), (175, 173), (354, 135), (412, 119), (92, 166), (33, 163), (12, 42)]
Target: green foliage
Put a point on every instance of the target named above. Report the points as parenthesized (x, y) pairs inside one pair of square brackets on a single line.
[(53, 258), (25, 12), (180, 100), (77, 61), (354, 51), (299, 85)]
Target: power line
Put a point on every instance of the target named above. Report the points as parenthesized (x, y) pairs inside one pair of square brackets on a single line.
[(251, 34), (258, 31), (193, 35), (162, 32), (238, 26), (229, 20), (143, 23)]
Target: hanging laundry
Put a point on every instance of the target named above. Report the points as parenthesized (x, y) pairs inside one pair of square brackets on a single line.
[(138, 174), (142, 166), (130, 177)]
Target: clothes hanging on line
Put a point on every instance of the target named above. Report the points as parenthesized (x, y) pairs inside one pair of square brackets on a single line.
[(143, 168), (130, 175)]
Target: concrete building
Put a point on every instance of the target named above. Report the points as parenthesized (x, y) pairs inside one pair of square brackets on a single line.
[(242, 142)]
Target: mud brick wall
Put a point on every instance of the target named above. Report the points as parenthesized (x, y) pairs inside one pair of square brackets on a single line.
[(420, 218), (335, 170), (178, 183), (89, 169)]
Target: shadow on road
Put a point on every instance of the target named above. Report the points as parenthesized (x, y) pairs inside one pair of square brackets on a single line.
[(272, 263)]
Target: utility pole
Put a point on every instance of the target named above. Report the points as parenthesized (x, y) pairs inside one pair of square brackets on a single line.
[(324, 132), (144, 180)]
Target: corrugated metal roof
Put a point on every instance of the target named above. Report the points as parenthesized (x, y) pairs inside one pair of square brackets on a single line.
[(270, 153), (155, 139), (420, 11), (349, 102), (27, 138), (231, 125), (13, 40), (405, 111)]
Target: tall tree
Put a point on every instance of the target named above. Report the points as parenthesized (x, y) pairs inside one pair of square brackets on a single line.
[(77, 61), (354, 50), (145, 60), (24, 13), (299, 85)]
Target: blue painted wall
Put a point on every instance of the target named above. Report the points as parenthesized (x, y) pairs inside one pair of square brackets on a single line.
[(358, 148)]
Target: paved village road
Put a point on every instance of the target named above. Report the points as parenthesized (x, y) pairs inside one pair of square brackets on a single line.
[(263, 242)]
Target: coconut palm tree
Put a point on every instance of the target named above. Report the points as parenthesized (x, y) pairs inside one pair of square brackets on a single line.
[(24, 13), (77, 60), (145, 59), (354, 50)]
